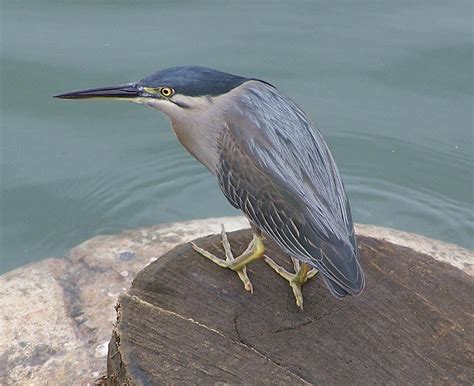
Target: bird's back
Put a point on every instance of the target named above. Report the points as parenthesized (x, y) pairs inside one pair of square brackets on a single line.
[(276, 167)]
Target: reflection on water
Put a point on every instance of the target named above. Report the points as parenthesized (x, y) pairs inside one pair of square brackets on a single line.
[(389, 85)]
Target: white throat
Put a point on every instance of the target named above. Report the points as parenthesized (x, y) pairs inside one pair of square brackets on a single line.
[(196, 125)]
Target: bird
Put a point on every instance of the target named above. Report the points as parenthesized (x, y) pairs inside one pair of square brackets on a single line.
[(271, 162)]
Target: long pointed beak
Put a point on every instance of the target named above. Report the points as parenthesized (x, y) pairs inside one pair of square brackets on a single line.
[(124, 91)]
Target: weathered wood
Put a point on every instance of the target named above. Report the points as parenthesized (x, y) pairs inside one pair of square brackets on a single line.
[(186, 320)]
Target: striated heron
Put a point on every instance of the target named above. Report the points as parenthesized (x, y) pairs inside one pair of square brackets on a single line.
[(271, 162)]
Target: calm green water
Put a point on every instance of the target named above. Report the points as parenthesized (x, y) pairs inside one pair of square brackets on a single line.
[(388, 82)]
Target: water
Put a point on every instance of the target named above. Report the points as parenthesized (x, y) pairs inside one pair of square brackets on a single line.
[(389, 84)]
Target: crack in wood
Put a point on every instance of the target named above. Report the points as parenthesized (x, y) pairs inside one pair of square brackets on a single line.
[(191, 320), (291, 328)]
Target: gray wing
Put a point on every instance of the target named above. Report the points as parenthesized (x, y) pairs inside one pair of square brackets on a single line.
[(275, 166)]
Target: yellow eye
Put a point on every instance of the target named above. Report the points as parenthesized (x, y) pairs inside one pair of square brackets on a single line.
[(166, 91)]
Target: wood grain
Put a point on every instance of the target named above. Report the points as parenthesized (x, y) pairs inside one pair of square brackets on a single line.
[(186, 321)]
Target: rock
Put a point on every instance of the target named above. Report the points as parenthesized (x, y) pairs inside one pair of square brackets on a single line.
[(57, 314)]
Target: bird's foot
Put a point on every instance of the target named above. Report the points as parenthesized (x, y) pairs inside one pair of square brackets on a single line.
[(238, 264), (303, 272)]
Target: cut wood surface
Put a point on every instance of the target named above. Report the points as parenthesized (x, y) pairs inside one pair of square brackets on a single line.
[(186, 320)]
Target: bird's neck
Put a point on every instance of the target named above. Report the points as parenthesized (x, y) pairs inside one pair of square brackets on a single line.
[(199, 137)]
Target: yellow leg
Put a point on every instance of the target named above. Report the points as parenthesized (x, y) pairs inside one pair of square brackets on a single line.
[(303, 272), (255, 250)]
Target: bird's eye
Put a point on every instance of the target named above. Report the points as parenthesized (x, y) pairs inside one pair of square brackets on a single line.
[(166, 91)]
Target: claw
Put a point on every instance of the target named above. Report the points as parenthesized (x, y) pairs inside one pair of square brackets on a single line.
[(245, 279), (297, 279), (296, 287), (210, 256), (254, 251)]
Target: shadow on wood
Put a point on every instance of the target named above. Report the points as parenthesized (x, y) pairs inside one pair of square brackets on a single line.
[(186, 320)]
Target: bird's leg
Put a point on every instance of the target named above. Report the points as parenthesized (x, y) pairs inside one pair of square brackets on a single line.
[(303, 272), (238, 264)]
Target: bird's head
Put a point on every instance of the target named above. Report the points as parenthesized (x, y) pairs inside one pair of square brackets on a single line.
[(170, 90)]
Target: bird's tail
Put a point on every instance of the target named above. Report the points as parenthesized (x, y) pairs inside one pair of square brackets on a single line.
[(341, 270)]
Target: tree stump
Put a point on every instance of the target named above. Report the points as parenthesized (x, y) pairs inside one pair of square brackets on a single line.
[(186, 320)]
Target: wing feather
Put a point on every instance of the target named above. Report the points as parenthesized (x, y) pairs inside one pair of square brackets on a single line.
[(275, 166)]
